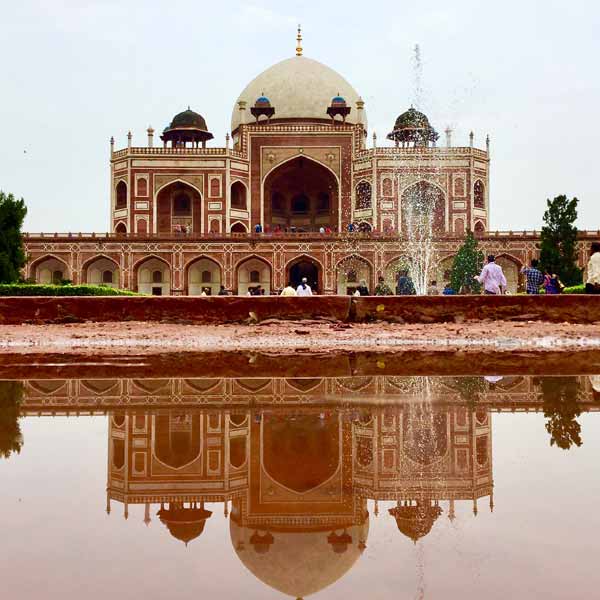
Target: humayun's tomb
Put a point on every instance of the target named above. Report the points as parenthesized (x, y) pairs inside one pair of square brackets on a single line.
[(183, 215)]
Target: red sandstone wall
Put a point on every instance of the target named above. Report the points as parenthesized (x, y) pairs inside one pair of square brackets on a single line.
[(215, 310)]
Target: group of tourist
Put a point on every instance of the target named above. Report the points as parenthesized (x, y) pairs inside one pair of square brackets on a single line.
[(491, 278), (536, 280), (181, 229)]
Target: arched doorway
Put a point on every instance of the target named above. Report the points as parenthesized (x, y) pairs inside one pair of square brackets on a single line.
[(50, 270), (154, 277), (511, 272), (304, 267), (252, 274), (204, 274), (102, 271), (179, 209), (301, 194), (350, 272), (422, 203)]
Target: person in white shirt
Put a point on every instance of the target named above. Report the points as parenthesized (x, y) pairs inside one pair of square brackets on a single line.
[(492, 277), (304, 289), (288, 290), (592, 283)]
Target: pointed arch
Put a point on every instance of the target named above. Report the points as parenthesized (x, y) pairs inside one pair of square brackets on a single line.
[(146, 282), (98, 276), (299, 192), (195, 277), (350, 271), (50, 273), (244, 274), (179, 208)]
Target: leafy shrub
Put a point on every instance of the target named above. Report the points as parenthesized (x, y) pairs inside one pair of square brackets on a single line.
[(575, 289), (25, 289)]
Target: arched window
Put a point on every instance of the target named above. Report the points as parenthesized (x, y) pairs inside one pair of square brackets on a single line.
[(215, 187), (351, 277), (107, 276), (57, 277), (323, 205), (121, 228), (238, 228), (214, 226), (386, 187), (238, 196), (254, 276), (363, 195), (479, 194), (206, 277), (479, 227), (300, 204), (459, 226), (142, 226), (142, 187), (157, 276), (388, 227), (182, 205), (121, 200)]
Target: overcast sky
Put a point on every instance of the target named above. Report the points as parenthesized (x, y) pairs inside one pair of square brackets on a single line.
[(75, 72)]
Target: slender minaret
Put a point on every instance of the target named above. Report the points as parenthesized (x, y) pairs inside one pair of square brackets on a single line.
[(150, 132), (471, 138), (448, 133), (129, 139)]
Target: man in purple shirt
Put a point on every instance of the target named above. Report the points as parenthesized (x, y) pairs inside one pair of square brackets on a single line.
[(492, 277)]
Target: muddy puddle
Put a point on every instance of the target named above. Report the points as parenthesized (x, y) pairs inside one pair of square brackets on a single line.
[(353, 480)]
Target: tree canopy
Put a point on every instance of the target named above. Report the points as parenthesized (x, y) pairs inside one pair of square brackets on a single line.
[(468, 262), (11, 439), (561, 408), (12, 252), (559, 239)]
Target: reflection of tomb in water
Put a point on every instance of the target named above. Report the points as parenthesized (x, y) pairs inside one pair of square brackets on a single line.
[(297, 480)]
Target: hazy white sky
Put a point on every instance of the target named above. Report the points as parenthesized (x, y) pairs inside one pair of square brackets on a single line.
[(75, 72)]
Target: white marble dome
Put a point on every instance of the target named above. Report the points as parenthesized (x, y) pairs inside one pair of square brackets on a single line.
[(298, 88)]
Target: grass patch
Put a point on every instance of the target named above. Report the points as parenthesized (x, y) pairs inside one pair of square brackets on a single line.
[(29, 289)]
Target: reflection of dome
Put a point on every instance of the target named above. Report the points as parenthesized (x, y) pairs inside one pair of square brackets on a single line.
[(299, 563), (185, 524), (299, 88), (415, 521)]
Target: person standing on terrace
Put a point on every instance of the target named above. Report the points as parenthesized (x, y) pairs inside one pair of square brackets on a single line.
[(492, 277), (405, 285), (304, 289), (288, 290), (534, 277), (592, 284), (382, 288)]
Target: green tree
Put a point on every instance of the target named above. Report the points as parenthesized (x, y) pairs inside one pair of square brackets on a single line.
[(468, 262), (11, 439), (561, 408), (559, 238), (12, 252)]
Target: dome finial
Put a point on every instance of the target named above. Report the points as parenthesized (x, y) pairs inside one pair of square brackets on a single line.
[(299, 42)]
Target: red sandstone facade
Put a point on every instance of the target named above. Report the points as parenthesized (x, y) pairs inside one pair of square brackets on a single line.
[(183, 216)]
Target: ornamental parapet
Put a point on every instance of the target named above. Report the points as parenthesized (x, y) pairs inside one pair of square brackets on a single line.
[(292, 237), (145, 151), (393, 152)]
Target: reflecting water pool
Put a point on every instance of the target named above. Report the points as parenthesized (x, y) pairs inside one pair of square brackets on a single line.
[(346, 487)]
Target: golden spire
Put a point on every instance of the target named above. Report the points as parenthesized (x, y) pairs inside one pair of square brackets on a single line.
[(299, 42)]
